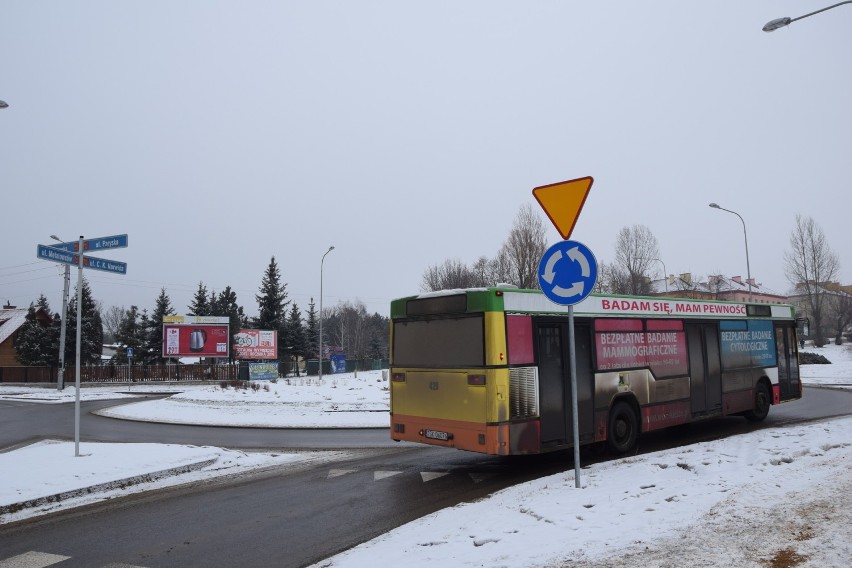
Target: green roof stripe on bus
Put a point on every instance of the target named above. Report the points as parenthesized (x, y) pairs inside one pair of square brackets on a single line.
[(533, 301)]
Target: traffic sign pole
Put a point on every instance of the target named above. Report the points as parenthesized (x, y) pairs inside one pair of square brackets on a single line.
[(77, 359), (562, 202), (575, 420)]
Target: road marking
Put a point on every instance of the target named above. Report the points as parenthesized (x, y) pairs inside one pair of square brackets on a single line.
[(384, 474), (32, 559), (338, 472), (120, 565), (430, 475)]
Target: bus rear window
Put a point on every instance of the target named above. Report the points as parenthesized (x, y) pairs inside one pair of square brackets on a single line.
[(439, 342)]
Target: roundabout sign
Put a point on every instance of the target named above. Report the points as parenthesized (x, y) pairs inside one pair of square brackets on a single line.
[(567, 272)]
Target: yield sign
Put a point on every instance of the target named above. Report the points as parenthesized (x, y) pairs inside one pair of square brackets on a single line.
[(563, 201)]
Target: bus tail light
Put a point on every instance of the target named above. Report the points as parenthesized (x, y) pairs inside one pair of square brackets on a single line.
[(477, 380), (398, 377)]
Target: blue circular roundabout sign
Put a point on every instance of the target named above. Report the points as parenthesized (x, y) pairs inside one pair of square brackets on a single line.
[(567, 272)]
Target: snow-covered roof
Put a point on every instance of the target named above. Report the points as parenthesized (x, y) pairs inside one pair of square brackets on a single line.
[(10, 320)]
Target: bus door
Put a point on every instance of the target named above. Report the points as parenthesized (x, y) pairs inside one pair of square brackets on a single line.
[(705, 369), (788, 362), (555, 382)]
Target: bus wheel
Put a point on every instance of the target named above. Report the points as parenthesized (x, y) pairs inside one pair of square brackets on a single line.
[(762, 402), (623, 428)]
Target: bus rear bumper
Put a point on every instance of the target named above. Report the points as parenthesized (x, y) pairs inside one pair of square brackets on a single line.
[(495, 439)]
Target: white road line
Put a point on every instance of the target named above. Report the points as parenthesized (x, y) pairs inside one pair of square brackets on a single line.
[(430, 475), (32, 560), (339, 472), (384, 474)]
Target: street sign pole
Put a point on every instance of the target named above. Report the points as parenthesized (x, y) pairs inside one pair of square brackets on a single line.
[(575, 419), (61, 382), (68, 254), (77, 359)]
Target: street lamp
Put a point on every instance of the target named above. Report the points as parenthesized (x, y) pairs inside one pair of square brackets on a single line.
[(665, 273), (745, 235), (320, 312), (4, 104), (782, 22), (60, 382)]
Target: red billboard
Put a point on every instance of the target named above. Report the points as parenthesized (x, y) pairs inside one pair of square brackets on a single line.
[(196, 340), (256, 344)]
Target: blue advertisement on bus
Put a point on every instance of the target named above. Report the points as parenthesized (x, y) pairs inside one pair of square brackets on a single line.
[(747, 344)]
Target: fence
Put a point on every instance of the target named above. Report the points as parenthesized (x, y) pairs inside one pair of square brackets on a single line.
[(164, 373), (122, 373)]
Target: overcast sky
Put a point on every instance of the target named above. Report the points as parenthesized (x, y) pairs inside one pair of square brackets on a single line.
[(219, 134)]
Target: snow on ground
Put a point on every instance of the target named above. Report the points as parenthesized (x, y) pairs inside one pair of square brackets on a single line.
[(776, 497)]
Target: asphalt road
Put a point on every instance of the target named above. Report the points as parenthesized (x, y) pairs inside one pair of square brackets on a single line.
[(294, 517)]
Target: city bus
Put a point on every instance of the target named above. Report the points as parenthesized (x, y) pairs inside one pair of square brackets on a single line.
[(487, 369)]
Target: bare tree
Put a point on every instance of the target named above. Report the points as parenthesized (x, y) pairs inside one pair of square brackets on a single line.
[(635, 249), (525, 247), (450, 275), (810, 266), (111, 319), (500, 268), (840, 311), (349, 324), (516, 262)]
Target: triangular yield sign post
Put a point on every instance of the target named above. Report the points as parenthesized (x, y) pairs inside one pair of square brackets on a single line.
[(563, 202)]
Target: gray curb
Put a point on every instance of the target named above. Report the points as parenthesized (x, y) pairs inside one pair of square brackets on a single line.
[(107, 486)]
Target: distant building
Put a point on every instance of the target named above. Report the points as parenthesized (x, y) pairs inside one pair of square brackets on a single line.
[(839, 299), (716, 287), (11, 319)]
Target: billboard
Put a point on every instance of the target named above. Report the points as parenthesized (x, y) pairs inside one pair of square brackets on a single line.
[(196, 340), (263, 371), (256, 344)]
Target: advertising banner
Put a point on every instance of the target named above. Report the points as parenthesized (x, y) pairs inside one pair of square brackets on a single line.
[(195, 340), (338, 363), (747, 344), (256, 344), (263, 371)]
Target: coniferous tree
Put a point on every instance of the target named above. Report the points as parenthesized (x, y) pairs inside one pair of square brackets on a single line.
[(154, 332), (36, 342), (200, 305), (296, 343), (311, 331), (272, 304), (91, 331), (226, 305), (130, 335)]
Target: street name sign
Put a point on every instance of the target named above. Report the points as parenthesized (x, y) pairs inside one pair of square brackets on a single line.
[(59, 255), (101, 243)]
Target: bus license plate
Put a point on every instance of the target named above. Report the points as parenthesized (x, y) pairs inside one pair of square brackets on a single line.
[(438, 435)]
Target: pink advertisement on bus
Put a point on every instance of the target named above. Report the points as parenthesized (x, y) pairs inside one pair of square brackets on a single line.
[(626, 344)]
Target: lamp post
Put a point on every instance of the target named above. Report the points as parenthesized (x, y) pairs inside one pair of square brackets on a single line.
[(4, 104), (60, 381), (782, 22), (331, 248), (745, 235), (665, 273)]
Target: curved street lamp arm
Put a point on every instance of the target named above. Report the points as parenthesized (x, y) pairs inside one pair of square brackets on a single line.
[(782, 22)]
